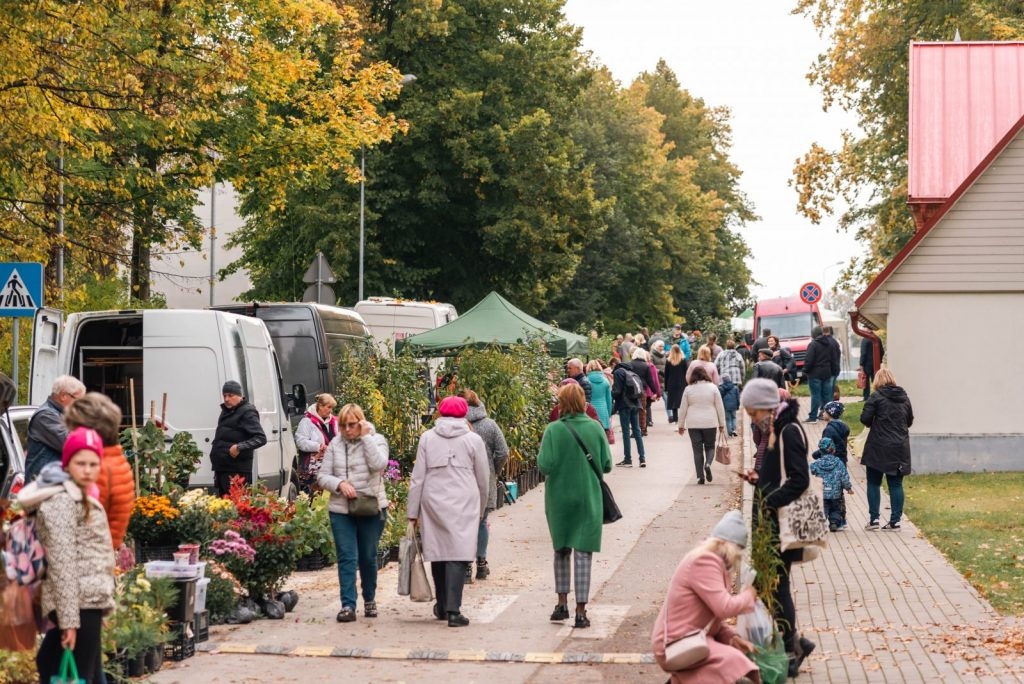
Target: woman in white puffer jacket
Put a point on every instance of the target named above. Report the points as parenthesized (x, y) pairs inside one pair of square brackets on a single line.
[(351, 470), (314, 432)]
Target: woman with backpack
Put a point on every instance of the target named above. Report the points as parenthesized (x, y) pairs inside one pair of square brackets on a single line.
[(78, 589)]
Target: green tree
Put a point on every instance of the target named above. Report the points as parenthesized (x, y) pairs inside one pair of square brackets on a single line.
[(865, 70)]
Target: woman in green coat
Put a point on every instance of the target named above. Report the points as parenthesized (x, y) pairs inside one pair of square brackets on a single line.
[(572, 496)]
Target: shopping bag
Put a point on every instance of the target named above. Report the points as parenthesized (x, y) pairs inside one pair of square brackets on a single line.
[(756, 626), (68, 670), (802, 523), (419, 585), (406, 557), (862, 379), (17, 618), (857, 445), (772, 661), (723, 454)]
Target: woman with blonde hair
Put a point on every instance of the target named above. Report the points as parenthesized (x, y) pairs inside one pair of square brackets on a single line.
[(704, 361), (887, 450), (315, 431), (675, 381), (351, 471), (700, 595), (572, 452)]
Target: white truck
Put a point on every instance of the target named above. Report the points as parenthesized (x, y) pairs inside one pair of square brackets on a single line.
[(391, 319), (184, 354)]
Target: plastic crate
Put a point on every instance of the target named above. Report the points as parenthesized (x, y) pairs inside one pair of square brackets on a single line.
[(183, 642), (161, 568), (201, 626), (200, 602)]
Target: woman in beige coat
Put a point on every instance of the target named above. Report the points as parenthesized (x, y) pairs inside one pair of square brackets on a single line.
[(447, 498), (700, 412)]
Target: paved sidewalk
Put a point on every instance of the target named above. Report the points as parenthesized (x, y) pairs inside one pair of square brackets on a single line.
[(888, 607)]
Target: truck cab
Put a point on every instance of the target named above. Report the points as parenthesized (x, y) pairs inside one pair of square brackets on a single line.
[(789, 319)]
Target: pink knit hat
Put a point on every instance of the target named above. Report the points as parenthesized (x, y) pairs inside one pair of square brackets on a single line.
[(453, 407), (81, 439)]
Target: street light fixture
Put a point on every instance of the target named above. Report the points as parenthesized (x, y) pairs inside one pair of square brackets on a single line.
[(406, 80)]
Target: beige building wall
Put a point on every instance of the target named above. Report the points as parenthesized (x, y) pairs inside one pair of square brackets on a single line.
[(958, 356), (182, 275)]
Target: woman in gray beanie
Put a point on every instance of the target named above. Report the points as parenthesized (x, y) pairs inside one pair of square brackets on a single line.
[(774, 416), (701, 594)]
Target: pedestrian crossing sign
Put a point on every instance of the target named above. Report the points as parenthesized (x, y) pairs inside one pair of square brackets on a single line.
[(21, 289)]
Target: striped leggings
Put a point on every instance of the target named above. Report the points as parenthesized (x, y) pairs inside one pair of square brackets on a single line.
[(581, 562)]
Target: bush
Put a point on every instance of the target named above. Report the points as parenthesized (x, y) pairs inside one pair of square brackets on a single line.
[(515, 384), (310, 526), (162, 469)]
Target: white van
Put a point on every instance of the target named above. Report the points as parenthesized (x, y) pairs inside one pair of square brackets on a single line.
[(391, 319), (185, 354)]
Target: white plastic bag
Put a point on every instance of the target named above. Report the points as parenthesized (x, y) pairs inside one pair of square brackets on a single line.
[(406, 558), (756, 626)]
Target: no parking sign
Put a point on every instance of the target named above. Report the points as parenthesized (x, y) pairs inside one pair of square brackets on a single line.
[(810, 293)]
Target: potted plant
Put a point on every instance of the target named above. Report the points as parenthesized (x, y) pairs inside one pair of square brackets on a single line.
[(397, 489), (310, 526), (161, 467), (154, 527)]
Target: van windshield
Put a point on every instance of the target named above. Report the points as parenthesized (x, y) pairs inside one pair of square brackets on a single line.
[(788, 326)]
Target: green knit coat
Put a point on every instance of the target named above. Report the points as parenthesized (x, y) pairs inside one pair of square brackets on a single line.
[(572, 495)]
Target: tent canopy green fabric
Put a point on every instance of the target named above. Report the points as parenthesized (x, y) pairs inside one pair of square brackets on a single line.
[(494, 320)]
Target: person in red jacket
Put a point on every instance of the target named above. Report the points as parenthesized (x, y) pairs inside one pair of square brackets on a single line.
[(115, 481)]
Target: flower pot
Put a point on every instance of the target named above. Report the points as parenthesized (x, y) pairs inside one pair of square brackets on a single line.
[(155, 658), (137, 665)]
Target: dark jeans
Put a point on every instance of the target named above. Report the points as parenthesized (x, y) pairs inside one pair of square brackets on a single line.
[(867, 385), (896, 496), (821, 394), (630, 420), (785, 609), (355, 539), (730, 422), (835, 511), (483, 535), (449, 579), (87, 649), (222, 481), (703, 441)]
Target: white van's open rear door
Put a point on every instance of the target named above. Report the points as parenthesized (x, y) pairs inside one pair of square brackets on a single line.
[(46, 331)]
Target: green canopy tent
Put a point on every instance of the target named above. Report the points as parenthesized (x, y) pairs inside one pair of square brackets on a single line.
[(494, 320)]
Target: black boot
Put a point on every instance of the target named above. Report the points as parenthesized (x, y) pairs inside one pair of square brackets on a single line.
[(482, 571)]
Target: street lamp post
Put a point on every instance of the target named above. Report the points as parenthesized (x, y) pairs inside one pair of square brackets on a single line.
[(406, 80)]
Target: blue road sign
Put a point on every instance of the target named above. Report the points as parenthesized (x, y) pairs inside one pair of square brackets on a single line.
[(810, 293), (21, 288)]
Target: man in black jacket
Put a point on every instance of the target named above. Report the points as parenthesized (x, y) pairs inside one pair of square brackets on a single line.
[(628, 407), (766, 368), (818, 367), (239, 433)]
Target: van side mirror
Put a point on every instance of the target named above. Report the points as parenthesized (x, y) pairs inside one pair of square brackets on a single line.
[(297, 399)]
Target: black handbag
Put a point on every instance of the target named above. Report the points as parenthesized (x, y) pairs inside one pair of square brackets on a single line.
[(611, 509)]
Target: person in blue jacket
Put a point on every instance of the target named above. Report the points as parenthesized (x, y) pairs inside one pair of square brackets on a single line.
[(835, 480), (839, 433), (730, 402)]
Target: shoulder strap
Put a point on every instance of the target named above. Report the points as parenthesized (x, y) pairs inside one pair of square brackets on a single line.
[(585, 450), (782, 452)]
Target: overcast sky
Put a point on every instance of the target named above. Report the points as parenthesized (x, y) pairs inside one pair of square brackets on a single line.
[(751, 56)]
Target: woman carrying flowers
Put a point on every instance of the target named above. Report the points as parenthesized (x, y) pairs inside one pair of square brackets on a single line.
[(351, 470), (78, 588)]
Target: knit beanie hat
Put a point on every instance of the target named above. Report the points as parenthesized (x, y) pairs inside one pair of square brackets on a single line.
[(453, 407), (826, 445), (232, 387), (81, 439), (760, 393), (834, 409), (731, 528)]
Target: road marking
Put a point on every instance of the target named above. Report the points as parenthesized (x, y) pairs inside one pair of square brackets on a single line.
[(486, 609), (547, 658)]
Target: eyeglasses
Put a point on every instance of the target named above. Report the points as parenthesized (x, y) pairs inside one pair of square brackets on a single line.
[(350, 425)]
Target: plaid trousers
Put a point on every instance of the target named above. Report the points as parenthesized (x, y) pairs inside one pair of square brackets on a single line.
[(581, 570)]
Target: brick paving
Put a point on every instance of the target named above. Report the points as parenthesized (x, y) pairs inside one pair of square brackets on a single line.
[(888, 607)]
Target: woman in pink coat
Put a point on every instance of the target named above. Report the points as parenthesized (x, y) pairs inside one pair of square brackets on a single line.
[(700, 594)]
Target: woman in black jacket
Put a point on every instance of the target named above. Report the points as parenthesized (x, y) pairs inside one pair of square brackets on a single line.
[(675, 381), (887, 449), (776, 432)]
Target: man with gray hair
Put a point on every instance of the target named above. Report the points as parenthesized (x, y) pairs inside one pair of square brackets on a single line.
[(46, 429), (574, 370)]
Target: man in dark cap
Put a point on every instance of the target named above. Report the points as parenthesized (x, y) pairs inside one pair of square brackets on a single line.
[(819, 367), (766, 368), (239, 433)]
